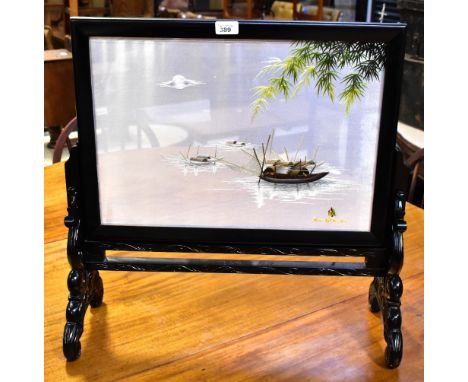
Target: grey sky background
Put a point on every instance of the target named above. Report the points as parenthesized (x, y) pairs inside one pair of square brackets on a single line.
[(141, 128)]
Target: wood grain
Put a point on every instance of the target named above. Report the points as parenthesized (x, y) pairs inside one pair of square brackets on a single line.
[(215, 327), (55, 203)]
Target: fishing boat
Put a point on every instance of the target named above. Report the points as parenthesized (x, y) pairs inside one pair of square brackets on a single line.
[(286, 171), (291, 173), (203, 160), (198, 159), (236, 144), (306, 178)]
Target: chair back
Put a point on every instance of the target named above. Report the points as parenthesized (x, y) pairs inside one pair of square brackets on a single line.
[(413, 157), (64, 139)]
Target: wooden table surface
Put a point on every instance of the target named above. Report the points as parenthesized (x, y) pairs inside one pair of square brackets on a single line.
[(227, 327), (57, 55)]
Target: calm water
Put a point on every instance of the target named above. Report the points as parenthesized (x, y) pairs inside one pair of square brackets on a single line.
[(155, 99)]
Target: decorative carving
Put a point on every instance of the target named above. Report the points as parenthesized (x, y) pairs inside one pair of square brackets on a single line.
[(85, 286), (85, 289), (233, 266), (245, 250), (385, 292)]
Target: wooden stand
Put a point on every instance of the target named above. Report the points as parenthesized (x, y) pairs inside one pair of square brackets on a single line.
[(385, 291), (87, 258), (85, 285)]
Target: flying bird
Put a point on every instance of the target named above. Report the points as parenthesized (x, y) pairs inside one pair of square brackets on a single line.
[(180, 82)]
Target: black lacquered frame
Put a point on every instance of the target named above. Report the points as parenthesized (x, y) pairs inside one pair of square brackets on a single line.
[(89, 240)]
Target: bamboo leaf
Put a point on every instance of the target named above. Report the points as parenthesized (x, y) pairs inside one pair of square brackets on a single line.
[(321, 61)]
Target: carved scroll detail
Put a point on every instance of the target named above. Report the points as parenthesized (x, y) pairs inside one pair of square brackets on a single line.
[(385, 292), (85, 286)]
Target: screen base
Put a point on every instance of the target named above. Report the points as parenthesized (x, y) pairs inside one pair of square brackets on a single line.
[(86, 287)]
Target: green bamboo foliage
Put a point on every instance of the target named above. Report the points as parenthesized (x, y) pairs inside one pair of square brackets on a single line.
[(320, 63)]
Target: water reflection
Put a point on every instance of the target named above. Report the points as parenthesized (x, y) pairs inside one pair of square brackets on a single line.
[(191, 167), (331, 188)]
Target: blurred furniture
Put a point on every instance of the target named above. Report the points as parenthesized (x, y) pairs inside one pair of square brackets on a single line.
[(192, 15), (181, 5), (48, 38), (285, 10), (54, 12), (190, 9), (329, 14), (207, 7), (55, 19), (247, 9), (132, 8), (413, 157), (412, 87), (59, 91), (168, 12), (316, 16), (181, 14), (64, 139), (57, 15), (86, 8), (416, 163)]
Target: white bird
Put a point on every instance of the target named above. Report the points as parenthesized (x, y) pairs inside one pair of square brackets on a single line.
[(180, 82)]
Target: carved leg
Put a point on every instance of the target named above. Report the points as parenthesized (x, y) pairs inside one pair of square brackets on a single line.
[(392, 321), (76, 310), (385, 292), (384, 295), (85, 289), (85, 285)]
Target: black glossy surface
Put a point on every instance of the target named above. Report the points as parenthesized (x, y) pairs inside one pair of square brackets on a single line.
[(85, 285), (385, 292), (393, 35), (235, 266), (88, 241)]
